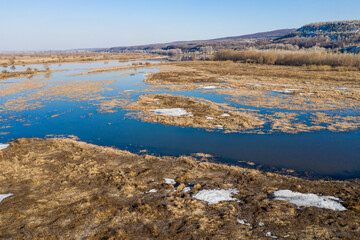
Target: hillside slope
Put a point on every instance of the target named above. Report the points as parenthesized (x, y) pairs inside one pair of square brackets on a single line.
[(235, 42), (338, 34)]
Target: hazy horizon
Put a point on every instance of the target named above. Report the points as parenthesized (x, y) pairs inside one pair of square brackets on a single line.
[(54, 25)]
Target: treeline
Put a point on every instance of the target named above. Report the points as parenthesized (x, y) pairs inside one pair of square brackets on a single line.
[(289, 58)]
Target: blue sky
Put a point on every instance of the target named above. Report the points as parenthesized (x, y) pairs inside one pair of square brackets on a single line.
[(68, 24)]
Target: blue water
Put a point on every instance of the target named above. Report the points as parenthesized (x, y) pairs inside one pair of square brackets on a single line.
[(319, 154)]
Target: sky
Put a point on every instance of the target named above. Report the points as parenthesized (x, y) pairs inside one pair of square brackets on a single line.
[(72, 24)]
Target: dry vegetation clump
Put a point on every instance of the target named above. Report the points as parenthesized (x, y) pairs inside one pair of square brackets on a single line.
[(133, 66), (63, 189), (67, 57), (201, 113), (28, 73), (183, 76), (289, 58), (273, 87), (41, 90), (253, 84)]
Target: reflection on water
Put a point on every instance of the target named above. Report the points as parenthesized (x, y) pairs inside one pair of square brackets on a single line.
[(61, 104)]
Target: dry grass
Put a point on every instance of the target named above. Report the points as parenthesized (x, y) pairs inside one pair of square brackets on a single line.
[(9, 60), (272, 87), (290, 58), (43, 89), (28, 74), (65, 189), (200, 109)]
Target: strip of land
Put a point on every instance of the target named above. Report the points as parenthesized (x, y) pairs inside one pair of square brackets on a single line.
[(8, 60)]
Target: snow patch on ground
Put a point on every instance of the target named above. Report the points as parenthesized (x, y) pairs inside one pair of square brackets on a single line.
[(3, 196), (216, 195), (219, 126), (306, 93), (186, 189), (309, 200), (268, 234), (176, 112), (209, 87), (3, 146), (151, 191), (225, 115), (209, 118), (286, 90), (243, 222), (169, 181)]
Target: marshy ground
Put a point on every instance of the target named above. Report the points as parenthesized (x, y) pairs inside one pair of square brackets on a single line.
[(67, 189), (319, 94)]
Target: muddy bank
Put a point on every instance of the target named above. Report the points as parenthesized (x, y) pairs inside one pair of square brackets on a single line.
[(67, 189)]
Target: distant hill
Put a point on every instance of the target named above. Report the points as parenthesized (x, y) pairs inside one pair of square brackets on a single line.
[(235, 42), (260, 35), (339, 34)]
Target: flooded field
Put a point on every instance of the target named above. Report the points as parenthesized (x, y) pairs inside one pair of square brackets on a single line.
[(238, 121)]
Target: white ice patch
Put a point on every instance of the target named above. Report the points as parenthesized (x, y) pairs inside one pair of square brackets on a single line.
[(209, 87), (268, 234), (176, 112), (309, 200), (216, 195), (286, 90), (3, 146), (169, 181), (209, 118), (225, 115), (306, 93), (243, 222), (3, 196), (219, 126), (152, 191), (186, 189)]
